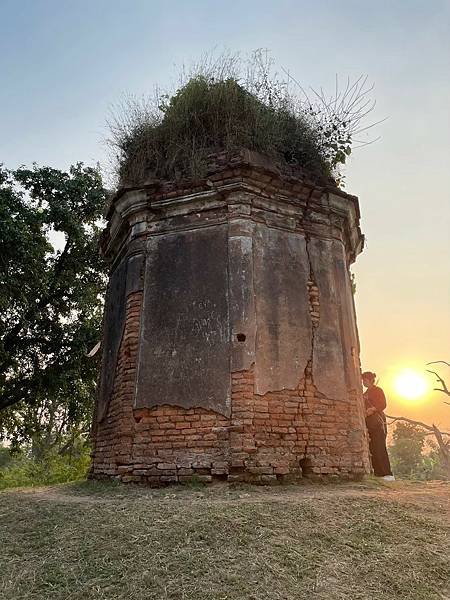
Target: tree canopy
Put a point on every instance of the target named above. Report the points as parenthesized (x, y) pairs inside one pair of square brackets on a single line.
[(50, 298)]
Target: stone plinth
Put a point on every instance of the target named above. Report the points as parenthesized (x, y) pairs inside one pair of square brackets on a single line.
[(230, 344)]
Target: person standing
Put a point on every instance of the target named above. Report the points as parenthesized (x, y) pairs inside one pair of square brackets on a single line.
[(375, 403)]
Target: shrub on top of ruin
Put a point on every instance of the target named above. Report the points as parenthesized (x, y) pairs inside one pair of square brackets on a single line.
[(229, 104)]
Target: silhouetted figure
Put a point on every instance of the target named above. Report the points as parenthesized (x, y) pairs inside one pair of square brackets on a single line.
[(375, 402)]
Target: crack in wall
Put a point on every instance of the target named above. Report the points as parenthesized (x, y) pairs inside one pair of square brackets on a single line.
[(313, 289), (314, 310), (313, 296)]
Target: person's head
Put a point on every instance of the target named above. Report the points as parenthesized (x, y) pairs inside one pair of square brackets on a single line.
[(368, 378)]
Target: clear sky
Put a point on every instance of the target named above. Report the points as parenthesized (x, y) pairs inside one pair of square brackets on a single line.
[(64, 63)]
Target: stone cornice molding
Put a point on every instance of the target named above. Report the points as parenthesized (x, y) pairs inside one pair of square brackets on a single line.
[(248, 185)]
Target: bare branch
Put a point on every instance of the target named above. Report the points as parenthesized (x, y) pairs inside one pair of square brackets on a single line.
[(431, 428), (444, 389)]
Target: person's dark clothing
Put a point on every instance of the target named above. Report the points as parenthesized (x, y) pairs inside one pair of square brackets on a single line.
[(376, 425), (378, 452)]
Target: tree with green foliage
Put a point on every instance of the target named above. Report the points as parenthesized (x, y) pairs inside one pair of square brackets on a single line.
[(407, 448), (50, 302), (5, 456), (414, 455)]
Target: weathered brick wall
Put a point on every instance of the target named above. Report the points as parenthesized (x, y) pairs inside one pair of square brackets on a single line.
[(284, 434), (262, 220), (113, 436), (161, 445), (276, 437)]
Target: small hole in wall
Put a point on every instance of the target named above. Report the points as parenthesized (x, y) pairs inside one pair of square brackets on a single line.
[(306, 466), (241, 337)]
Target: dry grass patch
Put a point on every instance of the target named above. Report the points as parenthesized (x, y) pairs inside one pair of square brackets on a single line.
[(100, 541)]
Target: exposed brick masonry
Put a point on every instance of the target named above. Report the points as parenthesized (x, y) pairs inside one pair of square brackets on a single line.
[(315, 429), (280, 436)]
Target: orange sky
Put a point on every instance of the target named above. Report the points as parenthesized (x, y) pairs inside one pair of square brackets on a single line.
[(429, 408), (403, 275), (403, 281)]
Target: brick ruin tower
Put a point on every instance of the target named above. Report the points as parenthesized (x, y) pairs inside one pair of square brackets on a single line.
[(230, 346)]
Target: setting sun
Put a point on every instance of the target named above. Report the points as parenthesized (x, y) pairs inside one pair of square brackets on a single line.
[(410, 384)]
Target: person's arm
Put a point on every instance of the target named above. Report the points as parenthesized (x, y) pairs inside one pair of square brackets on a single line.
[(377, 399)]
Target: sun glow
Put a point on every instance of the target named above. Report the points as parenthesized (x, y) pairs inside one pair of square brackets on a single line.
[(410, 384)]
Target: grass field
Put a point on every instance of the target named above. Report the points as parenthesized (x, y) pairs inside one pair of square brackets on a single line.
[(104, 541)]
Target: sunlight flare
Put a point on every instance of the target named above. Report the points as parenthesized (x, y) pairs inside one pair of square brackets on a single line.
[(410, 384)]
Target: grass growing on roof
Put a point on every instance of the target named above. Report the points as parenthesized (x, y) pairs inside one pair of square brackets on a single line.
[(206, 116), (228, 105)]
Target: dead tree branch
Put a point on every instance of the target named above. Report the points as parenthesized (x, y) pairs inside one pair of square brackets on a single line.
[(443, 444), (430, 428), (444, 389)]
